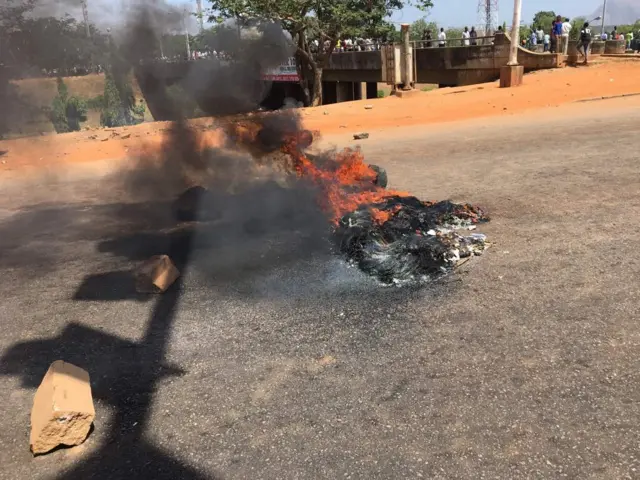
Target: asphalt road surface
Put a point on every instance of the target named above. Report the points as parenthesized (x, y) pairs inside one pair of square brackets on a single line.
[(273, 360)]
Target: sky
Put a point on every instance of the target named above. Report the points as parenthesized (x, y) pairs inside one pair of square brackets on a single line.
[(458, 13), (446, 13)]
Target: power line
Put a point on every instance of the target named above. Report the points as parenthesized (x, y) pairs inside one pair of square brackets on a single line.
[(488, 16), (85, 15), (200, 15)]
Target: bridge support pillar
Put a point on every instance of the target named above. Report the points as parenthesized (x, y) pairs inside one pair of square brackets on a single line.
[(372, 90), (329, 93), (344, 91), (359, 91), (511, 76)]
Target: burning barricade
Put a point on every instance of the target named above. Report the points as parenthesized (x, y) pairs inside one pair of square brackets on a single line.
[(390, 235)]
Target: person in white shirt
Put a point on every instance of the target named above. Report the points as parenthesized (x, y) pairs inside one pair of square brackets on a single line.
[(547, 42), (442, 38), (466, 36), (540, 35), (566, 29), (604, 36)]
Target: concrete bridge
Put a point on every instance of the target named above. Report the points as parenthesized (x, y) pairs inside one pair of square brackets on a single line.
[(350, 75)]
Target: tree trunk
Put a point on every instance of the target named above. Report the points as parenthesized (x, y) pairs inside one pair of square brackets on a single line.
[(303, 78), (317, 87)]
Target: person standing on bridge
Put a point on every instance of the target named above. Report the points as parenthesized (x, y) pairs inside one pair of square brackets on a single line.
[(473, 35), (585, 40), (556, 32), (442, 38), (566, 30), (465, 37), (547, 42), (540, 35)]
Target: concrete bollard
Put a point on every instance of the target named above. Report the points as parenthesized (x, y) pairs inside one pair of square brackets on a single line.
[(63, 409), (156, 275)]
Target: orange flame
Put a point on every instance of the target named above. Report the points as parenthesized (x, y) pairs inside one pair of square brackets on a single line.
[(346, 188), (347, 184)]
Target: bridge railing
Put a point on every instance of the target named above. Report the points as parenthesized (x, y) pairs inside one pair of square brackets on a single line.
[(453, 42), (434, 43)]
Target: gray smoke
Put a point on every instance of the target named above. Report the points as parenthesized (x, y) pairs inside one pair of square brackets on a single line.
[(255, 218), (116, 14)]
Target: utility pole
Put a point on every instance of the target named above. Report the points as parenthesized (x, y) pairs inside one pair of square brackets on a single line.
[(515, 33), (200, 15), (604, 13), (85, 15), (406, 67), (186, 34), (511, 74)]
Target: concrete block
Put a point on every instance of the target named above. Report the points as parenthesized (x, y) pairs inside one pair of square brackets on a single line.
[(511, 76), (63, 410), (407, 93), (156, 275)]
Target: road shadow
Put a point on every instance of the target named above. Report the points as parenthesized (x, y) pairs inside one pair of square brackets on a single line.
[(124, 374), (262, 231), (110, 286)]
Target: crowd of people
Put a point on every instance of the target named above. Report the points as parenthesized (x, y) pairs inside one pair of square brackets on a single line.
[(469, 37), (356, 45), (556, 40)]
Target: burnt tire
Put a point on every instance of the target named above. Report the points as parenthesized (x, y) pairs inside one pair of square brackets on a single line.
[(196, 204), (381, 179)]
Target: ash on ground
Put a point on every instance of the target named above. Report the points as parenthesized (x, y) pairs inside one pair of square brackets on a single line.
[(420, 241)]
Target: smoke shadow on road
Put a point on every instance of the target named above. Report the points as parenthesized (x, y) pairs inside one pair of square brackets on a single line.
[(124, 375)]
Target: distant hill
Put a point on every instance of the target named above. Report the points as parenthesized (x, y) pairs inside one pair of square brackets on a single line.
[(619, 12)]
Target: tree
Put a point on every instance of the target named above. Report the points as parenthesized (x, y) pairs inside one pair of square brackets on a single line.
[(321, 21), (13, 16), (454, 34), (47, 43), (576, 27), (67, 112), (525, 33), (118, 102), (544, 19), (420, 27)]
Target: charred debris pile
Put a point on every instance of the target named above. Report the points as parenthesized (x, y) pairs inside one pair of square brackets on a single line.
[(390, 235)]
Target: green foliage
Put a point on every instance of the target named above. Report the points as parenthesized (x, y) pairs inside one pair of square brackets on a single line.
[(67, 112), (111, 114), (49, 43), (544, 19), (380, 94), (76, 112), (454, 34), (63, 91), (419, 28), (525, 33), (57, 115), (96, 103), (576, 27), (624, 29), (322, 20), (118, 103)]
